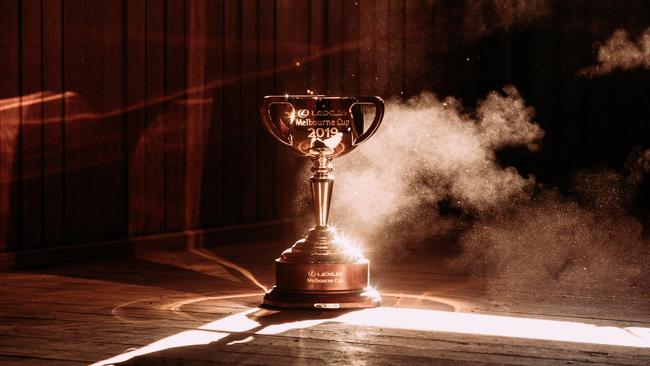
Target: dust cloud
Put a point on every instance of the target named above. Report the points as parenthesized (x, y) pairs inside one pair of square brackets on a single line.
[(621, 53), (427, 153), (557, 244), (432, 169)]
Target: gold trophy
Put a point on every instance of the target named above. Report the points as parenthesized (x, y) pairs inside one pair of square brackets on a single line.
[(322, 270)]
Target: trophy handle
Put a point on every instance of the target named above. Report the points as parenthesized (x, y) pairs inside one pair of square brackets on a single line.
[(268, 120), (379, 114)]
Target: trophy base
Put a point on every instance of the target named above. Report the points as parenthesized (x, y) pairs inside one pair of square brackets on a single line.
[(332, 300), (322, 272)]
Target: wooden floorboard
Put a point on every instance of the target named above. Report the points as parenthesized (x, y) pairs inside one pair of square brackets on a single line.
[(36, 361), (88, 312)]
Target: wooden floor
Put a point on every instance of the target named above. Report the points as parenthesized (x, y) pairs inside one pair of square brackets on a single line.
[(200, 307)]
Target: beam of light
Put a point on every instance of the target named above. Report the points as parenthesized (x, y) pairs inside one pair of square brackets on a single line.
[(246, 324), (499, 326), (245, 340), (70, 96), (34, 98), (40, 97), (174, 307), (202, 252), (183, 339), (456, 305), (116, 311), (195, 248), (210, 85), (203, 335), (177, 306)]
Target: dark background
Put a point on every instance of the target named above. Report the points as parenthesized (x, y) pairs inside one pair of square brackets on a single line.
[(120, 119)]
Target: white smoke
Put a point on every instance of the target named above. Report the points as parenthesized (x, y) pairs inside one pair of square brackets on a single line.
[(580, 246), (620, 53), (515, 232), (427, 151)]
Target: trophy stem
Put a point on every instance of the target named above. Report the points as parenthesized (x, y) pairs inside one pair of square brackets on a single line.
[(321, 188)]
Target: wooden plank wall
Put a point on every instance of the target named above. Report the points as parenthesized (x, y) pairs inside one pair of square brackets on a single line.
[(123, 118), (129, 118)]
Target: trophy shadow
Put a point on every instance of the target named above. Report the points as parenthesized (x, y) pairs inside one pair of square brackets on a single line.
[(262, 340), (269, 336)]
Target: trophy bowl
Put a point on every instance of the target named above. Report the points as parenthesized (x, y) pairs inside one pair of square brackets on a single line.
[(322, 270)]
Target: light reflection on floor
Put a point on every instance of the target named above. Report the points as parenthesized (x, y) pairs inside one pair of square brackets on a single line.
[(256, 321)]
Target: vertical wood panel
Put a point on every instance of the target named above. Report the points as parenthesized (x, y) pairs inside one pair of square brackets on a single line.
[(9, 123), (396, 47), (205, 125), (567, 23), (465, 59), (155, 120), (418, 56), (135, 116), (93, 120), (76, 75), (351, 42), (335, 43), (53, 148), (232, 123), (383, 48), (31, 131), (292, 45), (249, 115), (198, 117), (108, 183), (175, 116), (292, 48), (441, 40), (266, 151), (454, 33), (367, 47), (317, 46)]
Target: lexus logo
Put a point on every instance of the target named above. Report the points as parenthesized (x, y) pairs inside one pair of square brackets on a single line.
[(303, 113), (311, 273)]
